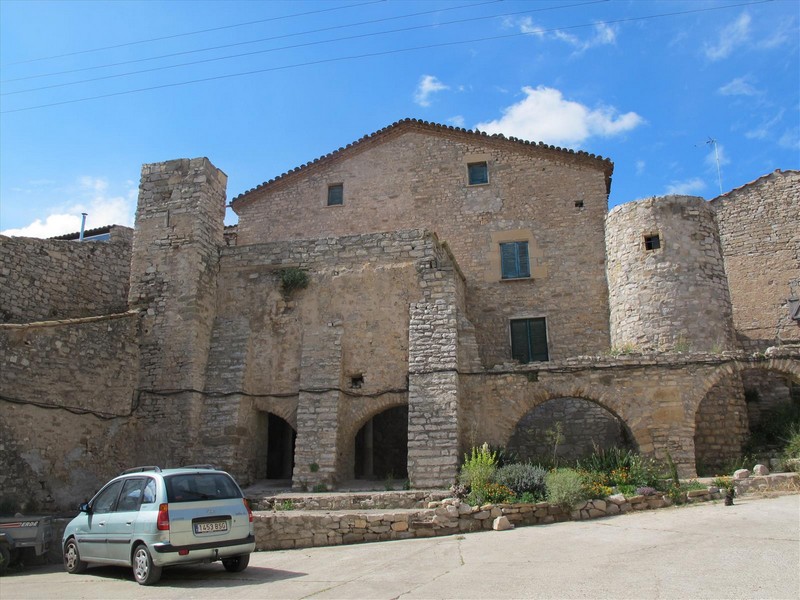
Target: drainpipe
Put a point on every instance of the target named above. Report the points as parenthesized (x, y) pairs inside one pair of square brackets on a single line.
[(83, 225)]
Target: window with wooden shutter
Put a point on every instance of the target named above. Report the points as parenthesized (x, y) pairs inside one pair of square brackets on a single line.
[(514, 260), (529, 340)]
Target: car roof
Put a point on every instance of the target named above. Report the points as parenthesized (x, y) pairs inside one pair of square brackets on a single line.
[(150, 470)]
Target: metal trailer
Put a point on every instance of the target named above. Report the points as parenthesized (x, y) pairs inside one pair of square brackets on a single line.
[(20, 534)]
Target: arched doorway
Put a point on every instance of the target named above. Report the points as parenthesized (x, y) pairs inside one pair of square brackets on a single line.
[(381, 446), (279, 447), (745, 414), (569, 429)]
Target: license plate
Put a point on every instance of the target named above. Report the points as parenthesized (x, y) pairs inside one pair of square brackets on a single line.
[(211, 527)]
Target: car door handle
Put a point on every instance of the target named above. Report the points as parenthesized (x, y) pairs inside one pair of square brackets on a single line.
[(129, 523), (101, 524)]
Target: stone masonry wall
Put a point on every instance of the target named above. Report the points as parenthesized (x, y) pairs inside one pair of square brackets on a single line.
[(42, 280), (759, 227), (67, 392), (721, 426), (416, 177), (674, 297)]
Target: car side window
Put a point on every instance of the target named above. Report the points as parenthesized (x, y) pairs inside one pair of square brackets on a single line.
[(149, 492), (131, 495), (106, 500)]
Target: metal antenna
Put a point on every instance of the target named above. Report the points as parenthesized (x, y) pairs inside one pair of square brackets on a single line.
[(716, 156)]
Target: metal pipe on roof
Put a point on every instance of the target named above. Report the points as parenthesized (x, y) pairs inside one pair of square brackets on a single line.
[(83, 225)]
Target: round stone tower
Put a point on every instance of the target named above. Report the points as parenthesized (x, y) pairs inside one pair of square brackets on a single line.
[(667, 284)]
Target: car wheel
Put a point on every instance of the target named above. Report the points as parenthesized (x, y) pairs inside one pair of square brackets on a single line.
[(72, 558), (144, 571), (236, 564)]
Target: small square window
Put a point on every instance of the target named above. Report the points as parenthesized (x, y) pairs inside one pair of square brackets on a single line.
[(478, 173), (529, 340), (514, 261), (336, 194), (652, 242), (578, 203)]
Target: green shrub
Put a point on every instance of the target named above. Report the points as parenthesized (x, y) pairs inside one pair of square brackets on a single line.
[(293, 278), (596, 484), (494, 493), (565, 487), (319, 488), (523, 477), (792, 441), (527, 498), (605, 460), (478, 468)]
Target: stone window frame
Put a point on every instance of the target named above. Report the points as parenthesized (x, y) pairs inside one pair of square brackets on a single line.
[(472, 160), (528, 318), (536, 265), (522, 267), (647, 241), (335, 186)]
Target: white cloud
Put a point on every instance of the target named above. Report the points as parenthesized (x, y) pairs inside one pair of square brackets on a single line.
[(603, 34), (718, 154), (738, 87), (545, 115), (732, 35), (91, 196), (689, 187), (428, 85), (790, 139), (640, 167), (762, 131)]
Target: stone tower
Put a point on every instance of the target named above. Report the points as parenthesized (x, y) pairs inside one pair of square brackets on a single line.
[(666, 277), (179, 225)]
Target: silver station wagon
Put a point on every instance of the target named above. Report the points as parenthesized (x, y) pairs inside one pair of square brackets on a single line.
[(149, 518)]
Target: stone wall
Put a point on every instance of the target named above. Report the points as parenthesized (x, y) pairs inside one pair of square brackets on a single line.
[(42, 280), (721, 426), (415, 175), (583, 425), (675, 296), (760, 234), (67, 391)]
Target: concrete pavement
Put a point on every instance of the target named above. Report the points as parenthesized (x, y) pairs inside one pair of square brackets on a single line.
[(749, 550)]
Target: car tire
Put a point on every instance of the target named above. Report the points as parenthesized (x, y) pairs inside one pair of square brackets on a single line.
[(72, 558), (144, 571), (236, 564)]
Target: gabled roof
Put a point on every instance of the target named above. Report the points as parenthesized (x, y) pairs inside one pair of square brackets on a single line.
[(498, 139), (755, 182)]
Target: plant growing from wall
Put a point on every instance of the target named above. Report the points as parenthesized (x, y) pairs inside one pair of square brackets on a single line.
[(293, 278)]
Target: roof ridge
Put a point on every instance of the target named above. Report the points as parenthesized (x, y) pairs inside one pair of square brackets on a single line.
[(430, 125), (756, 180)]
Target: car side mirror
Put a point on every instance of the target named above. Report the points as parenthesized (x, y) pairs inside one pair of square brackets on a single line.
[(85, 508)]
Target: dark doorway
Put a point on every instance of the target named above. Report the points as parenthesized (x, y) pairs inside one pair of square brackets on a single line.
[(381, 446), (280, 448)]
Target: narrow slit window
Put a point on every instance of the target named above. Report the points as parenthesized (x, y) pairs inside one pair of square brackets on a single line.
[(652, 242), (336, 194)]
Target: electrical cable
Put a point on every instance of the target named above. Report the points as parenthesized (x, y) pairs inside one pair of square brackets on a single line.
[(267, 39), (371, 55), (295, 46), (177, 35)]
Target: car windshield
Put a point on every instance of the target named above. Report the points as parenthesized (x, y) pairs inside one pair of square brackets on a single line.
[(190, 487)]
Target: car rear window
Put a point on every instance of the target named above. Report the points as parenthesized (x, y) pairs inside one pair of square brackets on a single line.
[(192, 487)]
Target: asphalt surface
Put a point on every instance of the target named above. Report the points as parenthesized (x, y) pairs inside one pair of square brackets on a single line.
[(749, 550)]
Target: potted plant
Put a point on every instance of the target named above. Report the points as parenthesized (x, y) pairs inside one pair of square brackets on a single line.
[(726, 485)]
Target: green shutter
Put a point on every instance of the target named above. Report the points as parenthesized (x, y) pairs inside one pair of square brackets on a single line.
[(519, 341), (508, 256), (524, 262), (538, 336)]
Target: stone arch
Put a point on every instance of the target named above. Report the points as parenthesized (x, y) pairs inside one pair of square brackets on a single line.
[(612, 402), (722, 416), (285, 408), (583, 422), (274, 446), (377, 442)]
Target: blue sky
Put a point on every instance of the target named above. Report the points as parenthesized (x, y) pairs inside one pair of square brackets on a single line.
[(91, 90)]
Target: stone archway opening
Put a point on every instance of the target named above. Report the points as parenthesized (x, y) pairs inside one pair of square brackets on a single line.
[(277, 443), (381, 446), (773, 403), (568, 429), (745, 415)]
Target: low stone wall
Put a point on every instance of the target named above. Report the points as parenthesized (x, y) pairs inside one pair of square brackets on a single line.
[(350, 501), (285, 529)]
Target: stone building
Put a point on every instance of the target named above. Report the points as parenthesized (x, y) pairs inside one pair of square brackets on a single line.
[(381, 309)]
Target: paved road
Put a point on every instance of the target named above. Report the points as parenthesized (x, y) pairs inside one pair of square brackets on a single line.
[(750, 550)]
